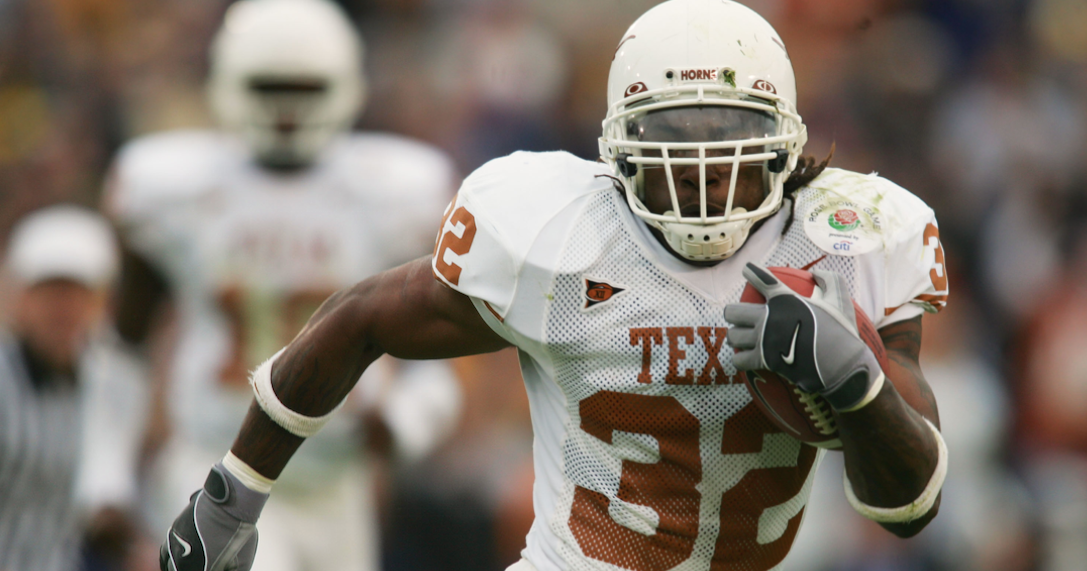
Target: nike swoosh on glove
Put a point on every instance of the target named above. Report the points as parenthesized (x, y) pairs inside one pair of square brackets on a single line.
[(812, 342), (217, 531)]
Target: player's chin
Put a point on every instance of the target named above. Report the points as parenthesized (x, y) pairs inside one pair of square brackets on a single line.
[(695, 210)]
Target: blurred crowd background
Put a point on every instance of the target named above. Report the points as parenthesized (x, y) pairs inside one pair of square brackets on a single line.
[(977, 106)]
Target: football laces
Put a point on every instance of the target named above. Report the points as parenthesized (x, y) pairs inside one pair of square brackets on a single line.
[(818, 410)]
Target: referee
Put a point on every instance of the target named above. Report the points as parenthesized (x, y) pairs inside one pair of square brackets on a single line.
[(56, 382)]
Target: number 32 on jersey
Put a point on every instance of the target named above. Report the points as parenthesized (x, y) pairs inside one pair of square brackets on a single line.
[(758, 516), (455, 237)]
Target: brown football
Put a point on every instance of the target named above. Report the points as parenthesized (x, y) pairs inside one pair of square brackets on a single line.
[(806, 416)]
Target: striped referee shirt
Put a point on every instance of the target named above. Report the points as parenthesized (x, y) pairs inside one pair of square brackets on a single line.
[(39, 455)]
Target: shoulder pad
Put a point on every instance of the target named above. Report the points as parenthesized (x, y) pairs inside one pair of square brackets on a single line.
[(500, 210), (848, 214), (167, 168)]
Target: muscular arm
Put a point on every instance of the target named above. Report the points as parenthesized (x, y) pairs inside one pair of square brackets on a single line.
[(890, 453), (404, 312)]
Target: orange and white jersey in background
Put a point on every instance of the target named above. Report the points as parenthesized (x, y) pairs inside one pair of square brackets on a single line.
[(649, 454), (250, 253)]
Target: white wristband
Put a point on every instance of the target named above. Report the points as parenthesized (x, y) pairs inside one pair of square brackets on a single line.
[(291, 421), (916, 508), (247, 475)]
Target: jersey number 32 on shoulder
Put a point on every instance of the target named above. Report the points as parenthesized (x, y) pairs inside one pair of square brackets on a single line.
[(456, 234)]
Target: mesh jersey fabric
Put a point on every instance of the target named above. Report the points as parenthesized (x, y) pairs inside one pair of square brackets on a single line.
[(649, 452)]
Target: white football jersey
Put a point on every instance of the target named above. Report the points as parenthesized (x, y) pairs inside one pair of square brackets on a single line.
[(251, 253), (649, 453)]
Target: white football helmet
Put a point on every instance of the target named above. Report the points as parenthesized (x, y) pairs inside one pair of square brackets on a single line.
[(702, 82), (286, 75)]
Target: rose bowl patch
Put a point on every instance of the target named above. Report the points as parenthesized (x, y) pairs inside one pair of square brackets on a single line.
[(843, 227)]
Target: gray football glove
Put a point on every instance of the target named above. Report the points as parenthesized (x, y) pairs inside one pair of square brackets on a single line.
[(813, 342), (217, 531)]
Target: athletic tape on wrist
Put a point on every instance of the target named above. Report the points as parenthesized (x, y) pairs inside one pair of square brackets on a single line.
[(873, 392), (293, 422), (914, 509), (247, 475)]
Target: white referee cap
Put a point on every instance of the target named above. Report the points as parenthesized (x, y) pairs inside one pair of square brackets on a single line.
[(63, 242)]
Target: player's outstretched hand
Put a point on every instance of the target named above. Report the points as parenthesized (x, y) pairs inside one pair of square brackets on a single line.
[(813, 342), (217, 530)]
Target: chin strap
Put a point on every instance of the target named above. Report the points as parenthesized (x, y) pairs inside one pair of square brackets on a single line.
[(915, 509), (293, 422), (705, 243)]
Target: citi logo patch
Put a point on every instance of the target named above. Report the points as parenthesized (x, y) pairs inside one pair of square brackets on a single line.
[(599, 292)]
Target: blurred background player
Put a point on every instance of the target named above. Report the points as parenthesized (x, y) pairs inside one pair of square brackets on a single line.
[(246, 230), (72, 405)]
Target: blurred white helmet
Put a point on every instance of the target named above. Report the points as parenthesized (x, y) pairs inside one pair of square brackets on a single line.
[(719, 66), (286, 75), (63, 242)]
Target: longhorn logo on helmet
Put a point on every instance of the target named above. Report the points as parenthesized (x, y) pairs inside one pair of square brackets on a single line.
[(763, 85), (635, 88)]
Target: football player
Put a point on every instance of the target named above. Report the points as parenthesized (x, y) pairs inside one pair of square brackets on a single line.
[(248, 228), (618, 281)]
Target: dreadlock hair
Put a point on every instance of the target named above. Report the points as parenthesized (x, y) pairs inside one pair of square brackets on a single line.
[(806, 171)]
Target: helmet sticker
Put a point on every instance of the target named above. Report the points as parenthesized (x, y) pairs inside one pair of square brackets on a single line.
[(635, 88), (703, 74), (843, 227), (698, 74), (763, 85)]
